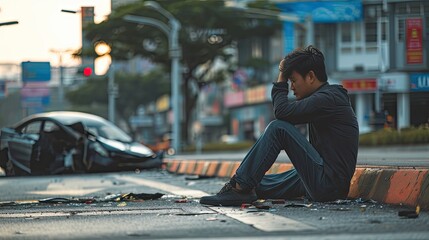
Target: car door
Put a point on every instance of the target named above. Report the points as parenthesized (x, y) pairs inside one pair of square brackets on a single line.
[(21, 144)]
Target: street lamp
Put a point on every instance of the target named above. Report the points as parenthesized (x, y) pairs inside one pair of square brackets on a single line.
[(9, 23), (175, 52), (61, 67)]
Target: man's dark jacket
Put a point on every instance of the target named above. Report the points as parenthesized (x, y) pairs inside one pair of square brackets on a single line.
[(333, 128)]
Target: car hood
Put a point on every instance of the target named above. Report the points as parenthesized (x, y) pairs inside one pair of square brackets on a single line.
[(133, 148)]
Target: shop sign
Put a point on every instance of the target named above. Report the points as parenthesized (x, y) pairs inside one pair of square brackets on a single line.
[(325, 11), (394, 82), (414, 41), (360, 85), (234, 99), (256, 95), (419, 82)]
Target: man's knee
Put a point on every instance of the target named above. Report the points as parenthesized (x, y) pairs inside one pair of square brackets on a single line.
[(278, 124)]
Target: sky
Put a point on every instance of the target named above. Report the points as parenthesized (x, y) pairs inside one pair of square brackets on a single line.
[(43, 27)]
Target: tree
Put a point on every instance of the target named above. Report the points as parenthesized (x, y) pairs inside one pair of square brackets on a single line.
[(208, 28), (134, 90)]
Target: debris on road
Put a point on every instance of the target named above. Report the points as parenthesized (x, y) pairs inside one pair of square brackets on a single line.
[(184, 200), (410, 213), (278, 201), (198, 177), (127, 197), (299, 205)]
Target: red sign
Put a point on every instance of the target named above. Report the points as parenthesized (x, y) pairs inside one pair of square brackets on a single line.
[(36, 89), (233, 99), (414, 28), (360, 85)]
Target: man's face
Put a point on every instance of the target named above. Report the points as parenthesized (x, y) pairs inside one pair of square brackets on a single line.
[(301, 86)]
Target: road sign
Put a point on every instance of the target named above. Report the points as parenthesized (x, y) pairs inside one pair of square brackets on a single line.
[(36, 71)]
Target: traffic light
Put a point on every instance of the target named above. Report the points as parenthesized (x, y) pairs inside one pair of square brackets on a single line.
[(87, 71)]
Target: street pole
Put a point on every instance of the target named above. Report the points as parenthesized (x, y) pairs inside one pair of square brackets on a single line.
[(61, 76), (8, 23), (111, 92), (309, 25), (175, 52), (61, 88)]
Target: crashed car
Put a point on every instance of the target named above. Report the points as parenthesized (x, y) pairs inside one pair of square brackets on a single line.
[(63, 142)]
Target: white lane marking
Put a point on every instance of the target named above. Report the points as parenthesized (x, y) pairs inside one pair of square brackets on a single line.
[(68, 192), (264, 221), (330, 236), (164, 187), (86, 213), (74, 187)]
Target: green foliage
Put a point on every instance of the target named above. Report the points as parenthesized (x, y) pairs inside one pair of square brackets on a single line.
[(419, 135), (257, 63), (199, 21), (134, 90)]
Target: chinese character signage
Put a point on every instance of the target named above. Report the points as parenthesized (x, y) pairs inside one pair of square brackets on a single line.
[(414, 47), (360, 85)]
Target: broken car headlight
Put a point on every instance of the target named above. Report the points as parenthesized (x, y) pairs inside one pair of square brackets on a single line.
[(141, 150)]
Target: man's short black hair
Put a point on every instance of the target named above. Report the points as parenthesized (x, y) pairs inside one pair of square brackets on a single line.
[(305, 60)]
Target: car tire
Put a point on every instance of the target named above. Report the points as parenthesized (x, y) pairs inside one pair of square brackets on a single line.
[(6, 164)]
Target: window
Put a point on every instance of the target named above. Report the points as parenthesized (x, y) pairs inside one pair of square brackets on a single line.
[(408, 10), (384, 26), (346, 33), (256, 48), (32, 128), (401, 30), (371, 32), (50, 126)]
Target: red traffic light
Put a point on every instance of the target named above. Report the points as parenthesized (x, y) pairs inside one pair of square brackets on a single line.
[(87, 71)]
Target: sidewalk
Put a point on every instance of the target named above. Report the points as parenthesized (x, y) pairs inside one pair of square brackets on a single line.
[(392, 184)]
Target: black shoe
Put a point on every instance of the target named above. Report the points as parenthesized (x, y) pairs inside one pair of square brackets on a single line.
[(230, 196)]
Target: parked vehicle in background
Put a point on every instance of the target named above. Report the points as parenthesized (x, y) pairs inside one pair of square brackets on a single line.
[(62, 142)]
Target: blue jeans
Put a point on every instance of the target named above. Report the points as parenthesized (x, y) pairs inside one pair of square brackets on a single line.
[(308, 177)]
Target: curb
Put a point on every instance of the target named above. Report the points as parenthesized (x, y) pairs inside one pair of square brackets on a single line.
[(391, 185)]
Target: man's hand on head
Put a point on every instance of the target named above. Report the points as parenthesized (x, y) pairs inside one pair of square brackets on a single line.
[(282, 77)]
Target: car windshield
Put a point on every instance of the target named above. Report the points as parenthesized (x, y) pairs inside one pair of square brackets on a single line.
[(99, 127)]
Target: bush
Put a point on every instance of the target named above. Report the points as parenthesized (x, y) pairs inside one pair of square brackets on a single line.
[(405, 136)]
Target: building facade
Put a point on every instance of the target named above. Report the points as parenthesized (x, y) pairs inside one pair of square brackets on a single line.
[(376, 49)]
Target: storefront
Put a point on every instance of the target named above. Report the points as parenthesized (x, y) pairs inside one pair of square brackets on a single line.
[(394, 90), (362, 93), (250, 111), (419, 97)]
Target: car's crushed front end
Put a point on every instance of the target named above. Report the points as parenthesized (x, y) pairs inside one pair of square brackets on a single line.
[(106, 155)]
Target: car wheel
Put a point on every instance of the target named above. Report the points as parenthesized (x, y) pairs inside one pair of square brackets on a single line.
[(6, 163)]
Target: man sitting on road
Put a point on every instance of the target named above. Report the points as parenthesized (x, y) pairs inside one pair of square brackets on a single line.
[(323, 167)]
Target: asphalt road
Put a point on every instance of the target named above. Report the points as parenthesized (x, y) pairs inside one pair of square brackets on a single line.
[(178, 215), (398, 156)]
